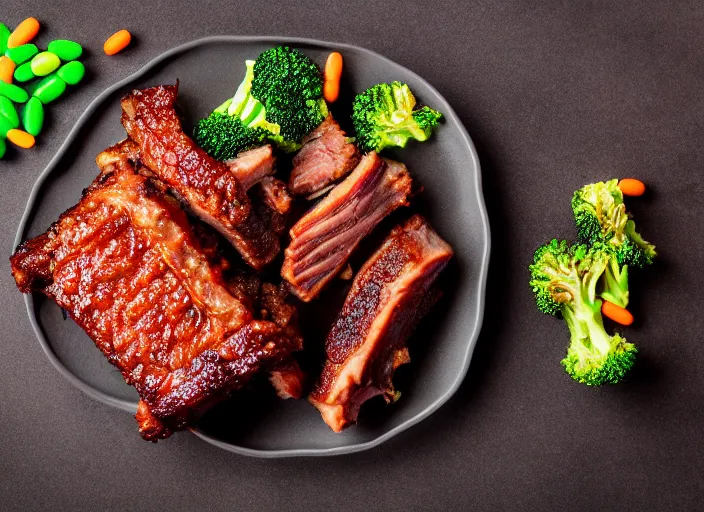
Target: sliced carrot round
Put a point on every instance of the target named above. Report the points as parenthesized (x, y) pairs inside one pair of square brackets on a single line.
[(616, 313), (631, 187), (24, 33)]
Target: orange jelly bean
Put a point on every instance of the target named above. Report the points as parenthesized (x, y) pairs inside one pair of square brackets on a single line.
[(631, 187), (333, 72), (7, 69), (117, 42), (24, 33), (20, 138)]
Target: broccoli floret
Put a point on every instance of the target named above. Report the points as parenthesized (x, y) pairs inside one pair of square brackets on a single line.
[(564, 278), (601, 216), (279, 101), (602, 221), (290, 87), (383, 117), (224, 136), (236, 125)]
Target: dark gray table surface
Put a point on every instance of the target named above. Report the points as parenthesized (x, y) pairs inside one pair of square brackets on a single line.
[(554, 96)]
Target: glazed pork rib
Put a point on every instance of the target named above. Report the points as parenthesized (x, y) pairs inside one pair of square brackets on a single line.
[(326, 156), (322, 241), (125, 266), (389, 296), (208, 187), (251, 167)]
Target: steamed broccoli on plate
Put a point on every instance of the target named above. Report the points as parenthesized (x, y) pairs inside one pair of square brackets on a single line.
[(280, 100), (603, 222), (564, 279), (385, 116)]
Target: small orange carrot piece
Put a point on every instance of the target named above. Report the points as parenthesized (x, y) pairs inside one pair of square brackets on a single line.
[(333, 72), (24, 33), (631, 187), (616, 313), (7, 69), (20, 138), (117, 42)]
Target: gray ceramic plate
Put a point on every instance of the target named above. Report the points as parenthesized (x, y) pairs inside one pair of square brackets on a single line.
[(257, 423)]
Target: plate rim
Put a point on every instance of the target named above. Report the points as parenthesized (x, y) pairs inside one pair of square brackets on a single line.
[(128, 406)]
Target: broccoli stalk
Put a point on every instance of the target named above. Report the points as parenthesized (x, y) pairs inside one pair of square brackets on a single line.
[(383, 117), (602, 220), (564, 280)]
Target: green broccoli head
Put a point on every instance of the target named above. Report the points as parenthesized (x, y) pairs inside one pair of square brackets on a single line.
[(290, 86), (596, 365), (223, 136), (383, 116), (279, 101), (600, 215), (564, 278)]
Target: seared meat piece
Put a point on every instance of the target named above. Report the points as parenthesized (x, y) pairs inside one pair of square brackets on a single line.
[(390, 294), (252, 166), (206, 186), (126, 267), (288, 379), (322, 241), (326, 156), (275, 195)]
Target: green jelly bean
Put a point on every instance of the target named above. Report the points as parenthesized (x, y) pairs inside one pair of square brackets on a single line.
[(45, 63), (5, 127), (49, 89), (11, 91), (33, 116), (22, 54), (7, 110), (65, 49), (24, 73), (3, 147), (72, 73), (4, 35)]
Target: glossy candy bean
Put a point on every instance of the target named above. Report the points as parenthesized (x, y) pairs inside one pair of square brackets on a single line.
[(65, 50), (631, 187), (49, 89), (11, 91), (7, 69), (22, 53), (3, 147), (72, 73), (616, 313), (333, 72), (117, 42), (33, 117), (8, 112), (5, 127), (24, 72), (23, 33), (4, 35), (45, 63), (20, 138)]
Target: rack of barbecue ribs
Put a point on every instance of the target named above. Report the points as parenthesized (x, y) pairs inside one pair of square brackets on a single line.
[(127, 267), (390, 294)]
